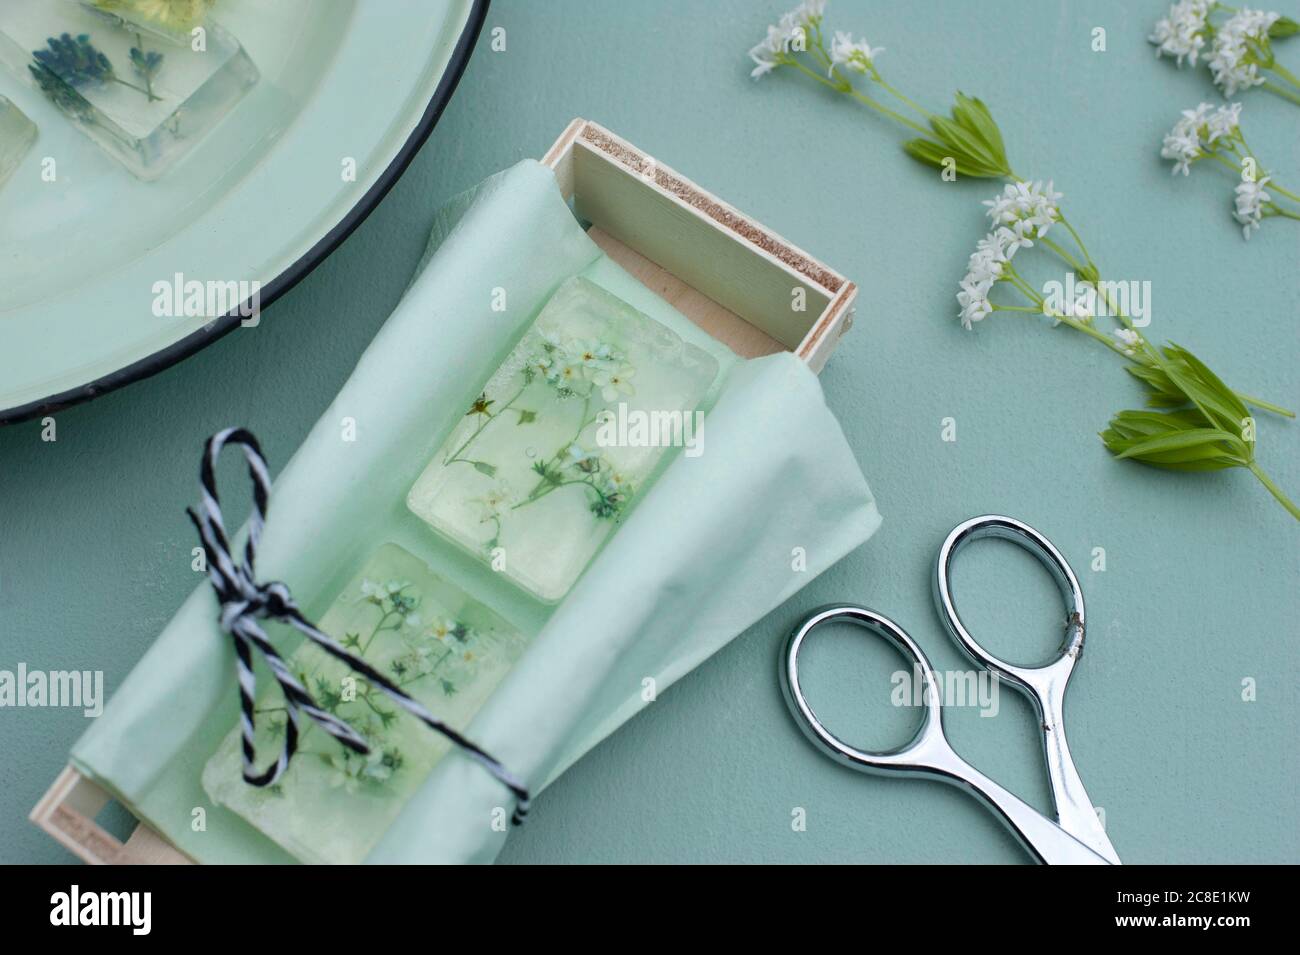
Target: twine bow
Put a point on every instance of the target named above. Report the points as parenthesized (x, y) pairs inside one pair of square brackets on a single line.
[(244, 601)]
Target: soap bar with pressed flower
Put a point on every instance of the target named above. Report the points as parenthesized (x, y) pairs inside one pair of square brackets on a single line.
[(564, 437), (17, 133), (145, 89), (435, 642)]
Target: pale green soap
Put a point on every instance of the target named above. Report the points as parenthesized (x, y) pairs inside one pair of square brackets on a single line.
[(567, 432), (17, 133), (438, 644), (146, 111)]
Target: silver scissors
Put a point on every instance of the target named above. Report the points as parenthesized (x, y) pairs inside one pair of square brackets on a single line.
[(1076, 836)]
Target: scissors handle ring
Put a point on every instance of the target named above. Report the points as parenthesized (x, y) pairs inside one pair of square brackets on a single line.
[(916, 757), (1021, 534)]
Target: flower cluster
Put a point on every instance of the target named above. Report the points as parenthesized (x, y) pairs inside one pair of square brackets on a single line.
[(787, 36), (1240, 54), (448, 650), (1207, 132), (580, 367), (1196, 133), (1023, 212), (856, 55), (70, 65), (1181, 34), (351, 771), (1240, 46), (392, 598)]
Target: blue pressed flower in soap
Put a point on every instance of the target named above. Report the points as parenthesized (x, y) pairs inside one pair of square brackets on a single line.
[(543, 465), (143, 91), (17, 133), (435, 642)]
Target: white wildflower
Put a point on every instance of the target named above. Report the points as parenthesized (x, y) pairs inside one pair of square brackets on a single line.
[(1223, 122), (853, 55), (984, 269), (974, 301), (789, 34), (1181, 33), (1250, 201), (1232, 57), (1129, 339), (1033, 204), (1196, 132), (811, 11)]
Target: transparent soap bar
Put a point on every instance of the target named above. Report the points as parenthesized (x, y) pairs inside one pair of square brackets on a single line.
[(563, 438), (438, 644), (17, 133), (146, 94)]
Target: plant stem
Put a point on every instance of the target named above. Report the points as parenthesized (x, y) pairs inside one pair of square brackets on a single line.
[(1276, 491), (138, 89), (903, 99), (897, 117), (1069, 260), (488, 418), (1282, 92), (148, 77), (1283, 72)]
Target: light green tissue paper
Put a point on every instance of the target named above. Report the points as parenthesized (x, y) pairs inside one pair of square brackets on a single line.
[(705, 552)]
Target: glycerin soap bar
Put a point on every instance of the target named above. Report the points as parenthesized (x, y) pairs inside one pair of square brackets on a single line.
[(17, 133), (144, 92), (435, 642), (563, 438)]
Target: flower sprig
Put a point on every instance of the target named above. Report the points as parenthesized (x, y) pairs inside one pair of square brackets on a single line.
[(1209, 133), (1240, 54), (1202, 424), (70, 64)]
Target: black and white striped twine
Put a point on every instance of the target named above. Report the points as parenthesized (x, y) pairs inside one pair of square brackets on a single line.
[(244, 601)]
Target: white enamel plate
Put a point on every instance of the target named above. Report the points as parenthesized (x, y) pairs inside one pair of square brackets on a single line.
[(348, 90)]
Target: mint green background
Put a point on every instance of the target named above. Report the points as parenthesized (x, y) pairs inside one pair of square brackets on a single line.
[(1199, 590)]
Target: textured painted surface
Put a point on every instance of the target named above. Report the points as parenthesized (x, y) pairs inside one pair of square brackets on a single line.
[(1200, 586)]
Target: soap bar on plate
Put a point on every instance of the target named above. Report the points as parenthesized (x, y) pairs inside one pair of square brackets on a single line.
[(564, 437), (144, 94), (436, 643), (17, 133)]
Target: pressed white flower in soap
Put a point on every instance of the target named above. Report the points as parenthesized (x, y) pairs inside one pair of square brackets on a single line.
[(436, 643), (564, 436), (17, 133), (144, 94)]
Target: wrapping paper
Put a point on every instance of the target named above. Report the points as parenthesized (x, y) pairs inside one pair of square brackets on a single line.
[(689, 569)]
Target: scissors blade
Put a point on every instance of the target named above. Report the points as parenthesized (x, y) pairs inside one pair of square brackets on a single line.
[(1083, 823)]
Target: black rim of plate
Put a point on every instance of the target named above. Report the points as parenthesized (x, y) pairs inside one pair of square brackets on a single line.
[(177, 351)]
